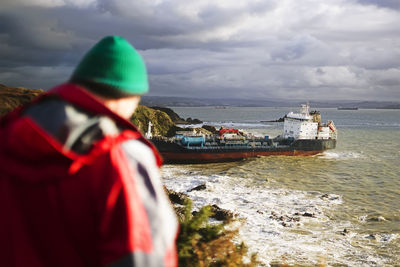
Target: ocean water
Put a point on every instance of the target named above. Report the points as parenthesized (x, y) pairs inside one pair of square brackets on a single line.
[(338, 208)]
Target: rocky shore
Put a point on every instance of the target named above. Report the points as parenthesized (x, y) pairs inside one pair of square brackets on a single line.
[(178, 199)]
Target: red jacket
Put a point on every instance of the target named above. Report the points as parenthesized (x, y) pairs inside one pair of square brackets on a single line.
[(80, 186)]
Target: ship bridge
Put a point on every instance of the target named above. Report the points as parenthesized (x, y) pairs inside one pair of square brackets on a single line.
[(300, 125), (303, 115)]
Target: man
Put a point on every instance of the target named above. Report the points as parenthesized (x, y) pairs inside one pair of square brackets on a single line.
[(79, 185)]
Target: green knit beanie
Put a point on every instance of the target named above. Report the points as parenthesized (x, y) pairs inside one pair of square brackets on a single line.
[(115, 65)]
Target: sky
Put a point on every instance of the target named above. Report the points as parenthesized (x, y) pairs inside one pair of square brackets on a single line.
[(253, 49)]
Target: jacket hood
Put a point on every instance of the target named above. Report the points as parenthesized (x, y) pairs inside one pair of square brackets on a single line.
[(26, 154)]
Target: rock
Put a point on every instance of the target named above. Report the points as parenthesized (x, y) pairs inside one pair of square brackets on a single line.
[(221, 214), (210, 128), (176, 197), (329, 197), (345, 232), (307, 214), (162, 123), (175, 117), (198, 188), (193, 121), (285, 220), (278, 120), (172, 114)]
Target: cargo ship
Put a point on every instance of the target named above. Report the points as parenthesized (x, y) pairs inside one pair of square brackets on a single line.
[(303, 135)]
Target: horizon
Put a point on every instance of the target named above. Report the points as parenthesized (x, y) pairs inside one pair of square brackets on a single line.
[(164, 100), (272, 100), (233, 102)]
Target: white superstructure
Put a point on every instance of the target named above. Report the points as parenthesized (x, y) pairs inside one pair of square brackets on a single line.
[(304, 125)]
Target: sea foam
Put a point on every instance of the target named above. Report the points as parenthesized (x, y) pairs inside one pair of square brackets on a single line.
[(281, 225), (340, 155)]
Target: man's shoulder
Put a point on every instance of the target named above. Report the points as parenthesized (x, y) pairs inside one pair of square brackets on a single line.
[(75, 128), (137, 151)]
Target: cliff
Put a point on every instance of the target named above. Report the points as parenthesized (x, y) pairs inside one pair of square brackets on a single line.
[(162, 123), (176, 118), (12, 97), (172, 114)]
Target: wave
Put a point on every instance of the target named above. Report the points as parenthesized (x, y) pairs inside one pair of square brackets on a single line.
[(199, 125), (369, 124), (231, 124), (340, 155)]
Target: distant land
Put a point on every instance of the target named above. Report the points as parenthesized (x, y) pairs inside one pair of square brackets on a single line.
[(200, 102), (167, 101)]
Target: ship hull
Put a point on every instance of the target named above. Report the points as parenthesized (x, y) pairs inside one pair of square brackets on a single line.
[(178, 154)]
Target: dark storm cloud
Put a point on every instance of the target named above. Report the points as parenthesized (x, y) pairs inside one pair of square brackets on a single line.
[(245, 49), (36, 37), (394, 4)]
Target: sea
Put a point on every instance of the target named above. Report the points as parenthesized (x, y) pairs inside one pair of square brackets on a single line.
[(337, 208)]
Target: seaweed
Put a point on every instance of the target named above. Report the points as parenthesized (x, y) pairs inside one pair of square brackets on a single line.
[(202, 243)]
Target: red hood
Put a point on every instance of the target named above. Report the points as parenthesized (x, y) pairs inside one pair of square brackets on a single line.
[(30, 154)]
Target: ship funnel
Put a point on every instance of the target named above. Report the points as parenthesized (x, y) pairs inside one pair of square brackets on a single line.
[(316, 116)]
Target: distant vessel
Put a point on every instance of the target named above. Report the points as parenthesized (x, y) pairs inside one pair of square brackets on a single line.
[(303, 134), (349, 108)]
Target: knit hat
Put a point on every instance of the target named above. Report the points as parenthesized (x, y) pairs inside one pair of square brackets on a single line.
[(113, 68)]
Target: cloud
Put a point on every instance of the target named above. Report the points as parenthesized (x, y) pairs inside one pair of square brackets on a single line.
[(37, 77), (246, 49), (393, 4), (47, 3)]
